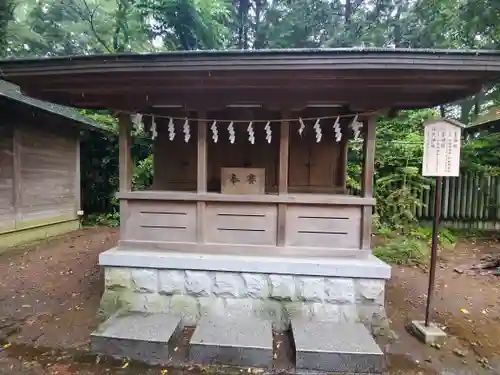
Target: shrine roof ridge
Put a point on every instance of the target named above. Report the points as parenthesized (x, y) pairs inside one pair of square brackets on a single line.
[(272, 52), (383, 58)]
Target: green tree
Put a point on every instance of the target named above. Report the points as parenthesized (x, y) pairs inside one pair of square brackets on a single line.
[(6, 15), (187, 24), (72, 27)]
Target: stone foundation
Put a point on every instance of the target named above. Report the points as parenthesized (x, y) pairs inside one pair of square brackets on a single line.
[(274, 297)]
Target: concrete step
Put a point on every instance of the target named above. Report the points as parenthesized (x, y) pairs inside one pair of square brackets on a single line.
[(236, 341), (150, 338), (335, 347)]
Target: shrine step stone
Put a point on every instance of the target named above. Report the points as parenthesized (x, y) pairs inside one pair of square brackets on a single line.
[(236, 341), (335, 347), (149, 338)]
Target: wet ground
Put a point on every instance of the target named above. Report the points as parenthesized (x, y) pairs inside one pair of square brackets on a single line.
[(50, 291)]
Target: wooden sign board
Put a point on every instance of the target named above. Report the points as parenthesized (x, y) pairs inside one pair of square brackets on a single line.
[(442, 148), (243, 180)]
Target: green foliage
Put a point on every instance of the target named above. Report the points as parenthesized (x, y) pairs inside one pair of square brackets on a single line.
[(446, 239), (187, 24), (383, 230), (353, 177), (6, 15), (414, 247), (399, 197), (99, 165), (482, 155), (70, 27), (111, 220), (143, 174), (398, 182), (403, 251)]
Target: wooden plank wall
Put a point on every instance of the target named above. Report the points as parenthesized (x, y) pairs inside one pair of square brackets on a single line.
[(239, 223), (39, 178), (323, 226), (160, 221), (7, 213), (243, 224), (316, 167), (48, 172), (313, 168)]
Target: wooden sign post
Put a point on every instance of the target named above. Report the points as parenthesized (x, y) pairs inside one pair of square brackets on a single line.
[(441, 159)]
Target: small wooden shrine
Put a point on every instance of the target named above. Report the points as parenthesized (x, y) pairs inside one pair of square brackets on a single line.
[(249, 214)]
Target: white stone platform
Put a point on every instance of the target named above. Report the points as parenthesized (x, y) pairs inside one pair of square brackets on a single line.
[(369, 267), (274, 289)]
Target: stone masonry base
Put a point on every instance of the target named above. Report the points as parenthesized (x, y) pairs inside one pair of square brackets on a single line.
[(274, 297)]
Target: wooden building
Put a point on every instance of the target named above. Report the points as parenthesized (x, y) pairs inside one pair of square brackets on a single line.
[(39, 167), (248, 211)]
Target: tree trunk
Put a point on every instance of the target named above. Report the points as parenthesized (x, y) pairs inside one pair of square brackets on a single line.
[(259, 41), (243, 8), (347, 23)]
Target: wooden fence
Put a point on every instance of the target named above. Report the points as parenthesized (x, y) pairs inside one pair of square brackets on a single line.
[(469, 201)]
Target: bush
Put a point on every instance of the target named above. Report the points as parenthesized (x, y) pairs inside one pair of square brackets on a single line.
[(403, 251), (446, 239), (413, 248), (143, 174)]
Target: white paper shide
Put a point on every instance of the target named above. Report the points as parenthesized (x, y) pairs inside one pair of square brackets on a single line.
[(441, 149)]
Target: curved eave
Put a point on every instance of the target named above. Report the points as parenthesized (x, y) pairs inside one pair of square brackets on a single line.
[(360, 78), (294, 59)]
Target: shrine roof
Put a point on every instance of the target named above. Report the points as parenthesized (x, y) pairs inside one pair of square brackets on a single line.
[(358, 78), (487, 122), (13, 95)]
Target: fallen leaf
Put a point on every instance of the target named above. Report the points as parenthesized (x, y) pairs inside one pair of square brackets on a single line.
[(459, 352), (464, 311), (6, 346), (435, 345), (125, 365)]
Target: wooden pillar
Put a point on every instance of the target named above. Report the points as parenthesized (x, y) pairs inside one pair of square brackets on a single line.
[(283, 177), (202, 155), (201, 184), (125, 139), (125, 167), (367, 180), (283, 160)]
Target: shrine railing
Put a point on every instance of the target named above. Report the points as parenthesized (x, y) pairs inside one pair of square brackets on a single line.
[(237, 223)]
